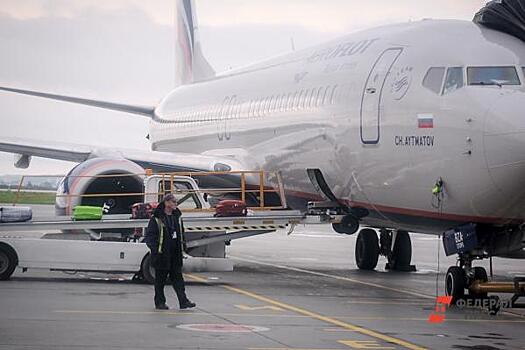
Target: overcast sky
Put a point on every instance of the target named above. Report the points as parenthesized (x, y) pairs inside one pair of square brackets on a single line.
[(122, 50)]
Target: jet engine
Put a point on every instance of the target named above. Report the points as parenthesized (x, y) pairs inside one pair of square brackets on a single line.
[(99, 182)]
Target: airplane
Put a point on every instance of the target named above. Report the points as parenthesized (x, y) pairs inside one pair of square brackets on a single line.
[(406, 127)]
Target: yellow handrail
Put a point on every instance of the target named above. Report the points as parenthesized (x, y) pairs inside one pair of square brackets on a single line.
[(259, 188)]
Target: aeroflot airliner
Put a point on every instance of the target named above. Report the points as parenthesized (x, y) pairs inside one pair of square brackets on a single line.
[(411, 127)]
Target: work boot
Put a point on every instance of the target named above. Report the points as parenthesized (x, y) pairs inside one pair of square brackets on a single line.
[(187, 304), (162, 307)]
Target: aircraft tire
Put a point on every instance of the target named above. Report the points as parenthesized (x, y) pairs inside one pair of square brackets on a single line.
[(367, 249), (146, 270), (402, 252), (348, 226), (455, 283), (8, 262)]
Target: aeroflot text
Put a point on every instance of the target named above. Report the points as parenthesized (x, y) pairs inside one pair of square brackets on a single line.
[(344, 49), (422, 141)]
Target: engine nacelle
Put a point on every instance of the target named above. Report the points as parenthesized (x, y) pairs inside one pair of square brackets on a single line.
[(94, 177)]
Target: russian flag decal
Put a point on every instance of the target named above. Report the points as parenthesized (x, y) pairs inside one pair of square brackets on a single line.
[(425, 121)]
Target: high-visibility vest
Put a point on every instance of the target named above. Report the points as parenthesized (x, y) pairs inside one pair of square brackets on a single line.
[(160, 224)]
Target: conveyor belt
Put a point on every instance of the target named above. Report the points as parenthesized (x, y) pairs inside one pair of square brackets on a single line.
[(192, 223)]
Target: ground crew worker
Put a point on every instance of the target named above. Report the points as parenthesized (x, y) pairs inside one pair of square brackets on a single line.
[(164, 239)]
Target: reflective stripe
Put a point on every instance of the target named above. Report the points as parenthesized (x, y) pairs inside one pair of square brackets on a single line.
[(161, 229)]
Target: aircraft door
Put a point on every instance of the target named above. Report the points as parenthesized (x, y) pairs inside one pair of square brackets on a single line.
[(372, 94)]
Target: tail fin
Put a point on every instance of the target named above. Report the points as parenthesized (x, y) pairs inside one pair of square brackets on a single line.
[(190, 62)]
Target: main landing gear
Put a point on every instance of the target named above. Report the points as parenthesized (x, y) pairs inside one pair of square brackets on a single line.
[(395, 245)]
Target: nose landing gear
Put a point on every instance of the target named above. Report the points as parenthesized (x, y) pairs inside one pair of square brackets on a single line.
[(463, 283)]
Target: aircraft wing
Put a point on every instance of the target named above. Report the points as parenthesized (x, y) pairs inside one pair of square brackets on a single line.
[(73, 153), (160, 161), (145, 111)]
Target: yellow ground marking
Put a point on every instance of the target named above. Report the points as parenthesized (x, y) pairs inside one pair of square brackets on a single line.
[(364, 344), (376, 285), (193, 313), (317, 316), (254, 308), (341, 278)]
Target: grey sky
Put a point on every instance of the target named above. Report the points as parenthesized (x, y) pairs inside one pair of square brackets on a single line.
[(122, 50)]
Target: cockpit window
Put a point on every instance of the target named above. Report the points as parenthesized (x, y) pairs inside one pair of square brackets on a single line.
[(434, 78), (492, 76), (454, 80)]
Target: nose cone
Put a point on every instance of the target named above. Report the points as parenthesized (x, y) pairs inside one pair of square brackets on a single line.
[(504, 141)]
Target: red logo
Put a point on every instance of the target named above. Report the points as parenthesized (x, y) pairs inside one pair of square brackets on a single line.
[(441, 306)]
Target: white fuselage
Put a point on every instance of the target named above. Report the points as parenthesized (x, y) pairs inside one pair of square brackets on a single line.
[(357, 109)]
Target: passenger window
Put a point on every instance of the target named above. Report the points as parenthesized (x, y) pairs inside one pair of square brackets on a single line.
[(309, 102), (434, 78), (323, 101), (300, 100), (274, 104), (332, 95), (289, 102), (454, 80), (305, 98), (318, 97)]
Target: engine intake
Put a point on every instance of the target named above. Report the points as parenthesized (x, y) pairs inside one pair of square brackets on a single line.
[(111, 178)]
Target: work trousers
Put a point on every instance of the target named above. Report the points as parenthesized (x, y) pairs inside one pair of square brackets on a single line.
[(177, 281)]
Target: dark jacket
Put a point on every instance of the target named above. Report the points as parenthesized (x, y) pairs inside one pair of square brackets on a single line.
[(167, 255)]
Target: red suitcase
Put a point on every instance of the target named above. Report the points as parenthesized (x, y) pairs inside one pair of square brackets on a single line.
[(231, 207), (142, 211)]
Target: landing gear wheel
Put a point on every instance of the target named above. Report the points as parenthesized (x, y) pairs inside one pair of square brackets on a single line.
[(8, 262), (455, 283), (402, 252), (367, 249), (480, 274), (147, 271), (348, 225)]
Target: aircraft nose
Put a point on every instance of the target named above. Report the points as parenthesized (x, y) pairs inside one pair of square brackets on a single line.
[(504, 140)]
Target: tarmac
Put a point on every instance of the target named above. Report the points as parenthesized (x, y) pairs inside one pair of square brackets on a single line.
[(297, 292)]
